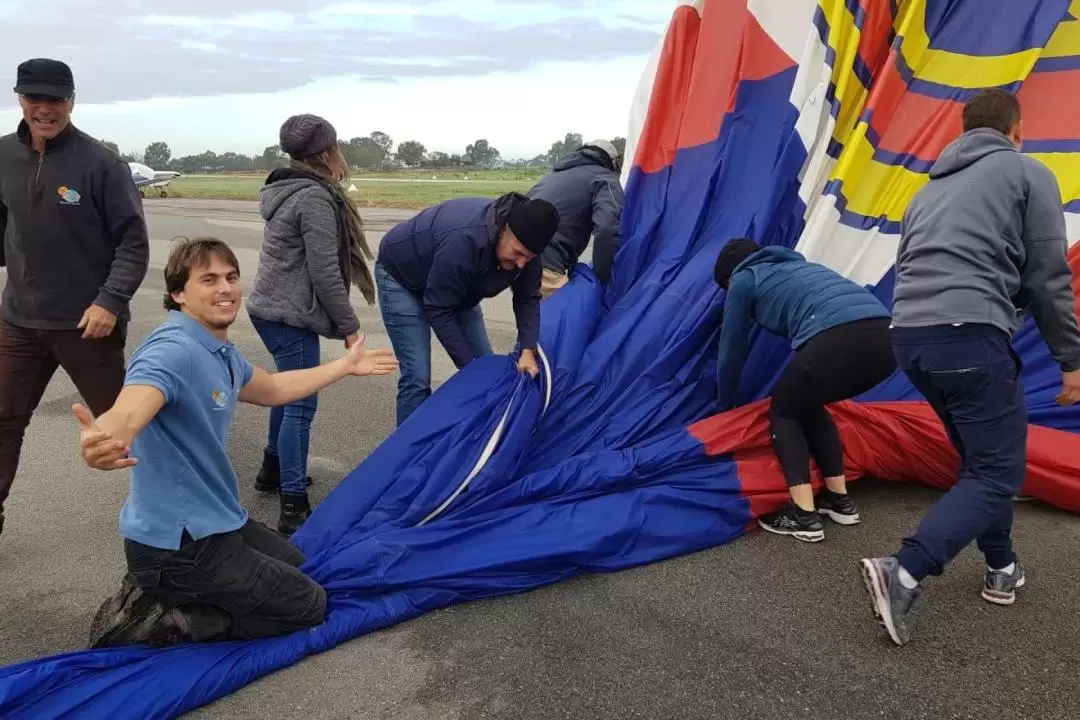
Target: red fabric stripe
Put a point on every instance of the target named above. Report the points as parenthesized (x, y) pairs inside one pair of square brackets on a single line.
[(715, 74), (1051, 105), (659, 137), (874, 35), (899, 441), (703, 60), (908, 123)]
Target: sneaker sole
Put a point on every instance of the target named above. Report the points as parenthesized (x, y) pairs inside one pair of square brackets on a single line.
[(802, 535), (840, 518), (879, 603)]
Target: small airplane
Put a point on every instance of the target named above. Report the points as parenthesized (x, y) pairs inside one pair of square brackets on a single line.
[(146, 177)]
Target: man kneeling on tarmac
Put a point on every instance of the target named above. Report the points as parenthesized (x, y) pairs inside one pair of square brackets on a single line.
[(199, 569)]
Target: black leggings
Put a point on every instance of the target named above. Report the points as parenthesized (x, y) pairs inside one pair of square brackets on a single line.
[(836, 365)]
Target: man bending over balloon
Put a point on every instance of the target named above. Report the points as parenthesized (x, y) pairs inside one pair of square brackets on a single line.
[(435, 268), (840, 334), (199, 569)]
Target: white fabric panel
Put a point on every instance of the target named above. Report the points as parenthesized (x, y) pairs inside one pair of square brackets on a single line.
[(864, 256), (786, 22), (815, 124), (1072, 228)]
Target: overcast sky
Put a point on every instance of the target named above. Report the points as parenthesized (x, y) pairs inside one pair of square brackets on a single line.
[(223, 74)]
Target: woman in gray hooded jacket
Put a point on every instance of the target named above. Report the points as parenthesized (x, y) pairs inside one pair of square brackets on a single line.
[(313, 249)]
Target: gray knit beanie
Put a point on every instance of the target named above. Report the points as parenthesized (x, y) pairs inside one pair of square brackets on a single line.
[(305, 135)]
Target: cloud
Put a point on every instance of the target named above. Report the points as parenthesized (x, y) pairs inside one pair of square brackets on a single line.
[(124, 50)]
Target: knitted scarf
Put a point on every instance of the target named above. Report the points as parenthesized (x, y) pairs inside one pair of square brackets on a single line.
[(352, 224)]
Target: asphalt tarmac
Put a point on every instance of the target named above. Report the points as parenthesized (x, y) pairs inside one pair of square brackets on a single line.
[(763, 627)]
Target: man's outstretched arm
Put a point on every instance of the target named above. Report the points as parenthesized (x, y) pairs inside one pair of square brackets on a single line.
[(158, 374), (273, 389)]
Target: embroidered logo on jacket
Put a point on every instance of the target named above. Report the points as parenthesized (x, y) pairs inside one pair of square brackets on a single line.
[(68, 196)]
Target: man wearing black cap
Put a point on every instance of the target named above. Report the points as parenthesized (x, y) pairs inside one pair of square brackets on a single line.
[(434, 269), (76, 249)]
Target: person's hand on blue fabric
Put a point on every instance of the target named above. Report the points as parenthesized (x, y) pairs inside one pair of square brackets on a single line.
[(362, 361), (527, 362), (1070, 388)]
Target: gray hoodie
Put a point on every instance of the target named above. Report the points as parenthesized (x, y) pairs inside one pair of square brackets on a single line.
[(585, 189), (983, 242), (303, 275)]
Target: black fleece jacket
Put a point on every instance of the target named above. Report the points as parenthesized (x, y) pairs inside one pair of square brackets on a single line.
[(73, 230)]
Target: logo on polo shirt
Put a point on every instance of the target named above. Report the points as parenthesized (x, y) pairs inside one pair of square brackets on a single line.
[(220, 398), (68, 196)]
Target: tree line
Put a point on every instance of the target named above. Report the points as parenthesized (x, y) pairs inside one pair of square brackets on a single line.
[(373, 153)]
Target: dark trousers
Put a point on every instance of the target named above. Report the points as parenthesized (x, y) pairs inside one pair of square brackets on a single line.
[(838, 364), (233, 586), (970, 375), (28, 360)]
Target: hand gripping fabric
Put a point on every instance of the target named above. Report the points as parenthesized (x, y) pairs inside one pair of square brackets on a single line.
[(798, 123)]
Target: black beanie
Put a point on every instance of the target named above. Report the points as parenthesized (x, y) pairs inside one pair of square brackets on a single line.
[(534, 223), (729, 258), (302, 136)]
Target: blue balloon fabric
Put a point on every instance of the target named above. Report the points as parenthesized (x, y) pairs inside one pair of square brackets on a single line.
[(501, 483)]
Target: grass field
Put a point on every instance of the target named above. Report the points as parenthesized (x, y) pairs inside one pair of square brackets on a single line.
[(408, 189)]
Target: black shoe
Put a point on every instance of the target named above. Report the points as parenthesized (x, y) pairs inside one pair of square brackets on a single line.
[(1, 521), (798, 523), (841, 509), (269, 477), (128, 617), (295, 509)]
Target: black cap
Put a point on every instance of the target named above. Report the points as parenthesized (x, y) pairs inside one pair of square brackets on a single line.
[(534, 223), (42, 76)]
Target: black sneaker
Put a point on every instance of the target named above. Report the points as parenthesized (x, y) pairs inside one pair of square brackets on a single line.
[(269, 477), (295, 510), (1000, 587), (791, 520), (841, 509)]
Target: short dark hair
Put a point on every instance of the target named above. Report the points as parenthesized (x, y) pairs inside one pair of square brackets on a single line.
[(993, 108), (190, 253), (729, 258)]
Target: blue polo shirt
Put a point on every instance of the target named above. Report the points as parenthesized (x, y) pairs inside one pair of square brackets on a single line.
[(183, 479)]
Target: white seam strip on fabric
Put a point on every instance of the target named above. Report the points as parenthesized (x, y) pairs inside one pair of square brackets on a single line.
[(489, 450), (547, 379), (493, 441)]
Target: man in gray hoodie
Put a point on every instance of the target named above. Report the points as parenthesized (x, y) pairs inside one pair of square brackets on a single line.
[(982, 243), (585, 189)]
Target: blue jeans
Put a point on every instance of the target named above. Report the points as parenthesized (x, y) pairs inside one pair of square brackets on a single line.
[(410, 335), (290, 425), (971, 377)]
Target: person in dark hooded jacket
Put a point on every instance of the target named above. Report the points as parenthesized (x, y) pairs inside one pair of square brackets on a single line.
[(584, 187), (435, 268), (840, 334), (313, 249)]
